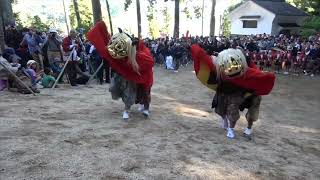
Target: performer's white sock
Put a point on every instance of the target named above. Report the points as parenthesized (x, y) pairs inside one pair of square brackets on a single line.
[(125, 115), (247, 131), (230, 133), (141, 107), (146, 113)]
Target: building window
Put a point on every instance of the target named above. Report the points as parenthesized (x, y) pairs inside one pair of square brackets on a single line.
[(250, 24)]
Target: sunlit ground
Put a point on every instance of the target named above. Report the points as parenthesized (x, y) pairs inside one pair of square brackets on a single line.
[(77, 133)]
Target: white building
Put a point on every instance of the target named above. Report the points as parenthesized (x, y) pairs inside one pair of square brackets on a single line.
[(266, 16)]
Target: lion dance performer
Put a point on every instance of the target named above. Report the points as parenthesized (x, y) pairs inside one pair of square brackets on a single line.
[(132, 62), (238, 84)]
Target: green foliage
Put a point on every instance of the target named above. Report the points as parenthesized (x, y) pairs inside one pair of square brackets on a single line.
[(127, 4), (36, 23), (197, 10), (18, 21), (226, 24), (153, 24), (187, 12), (233, 7), (310, 6), (310, 26), (167, 20), (85, 10)]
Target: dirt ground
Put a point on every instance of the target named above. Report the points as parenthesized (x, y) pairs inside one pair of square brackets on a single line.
[(78, 133)]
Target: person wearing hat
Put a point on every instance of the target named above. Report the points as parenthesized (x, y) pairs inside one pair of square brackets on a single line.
[(32, 72), (54, 51)]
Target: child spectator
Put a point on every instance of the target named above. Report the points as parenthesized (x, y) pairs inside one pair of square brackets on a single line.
[(47, 80)]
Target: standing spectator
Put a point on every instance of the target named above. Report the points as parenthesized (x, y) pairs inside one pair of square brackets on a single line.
[(33, 40), (12, 36), (70, 43), (54, 51), (314, 63), (252, 46)]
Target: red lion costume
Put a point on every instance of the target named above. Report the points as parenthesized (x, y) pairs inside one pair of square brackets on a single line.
[(253, 80), (100, 38)]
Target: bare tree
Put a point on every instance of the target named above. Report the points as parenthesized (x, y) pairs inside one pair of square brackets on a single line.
[(76, 10), (6, 11), (213, 18), (176, 18), (139, 18), (2, 42), (96, 10), (109, 15), (65, 16)]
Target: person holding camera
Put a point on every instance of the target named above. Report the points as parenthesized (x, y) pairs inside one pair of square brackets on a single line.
[(54, 51)]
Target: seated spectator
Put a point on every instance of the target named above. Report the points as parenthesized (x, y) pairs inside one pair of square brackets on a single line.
[(13, 83), (4, 74), (32, 72), (47, 80)]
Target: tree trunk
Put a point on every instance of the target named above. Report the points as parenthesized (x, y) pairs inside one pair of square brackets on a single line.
[(213, 18), (202, 17), (6, 11), (109, 15), (76, 10), (176, 18), (139, 18), (96, 8), (1, 34), (65, 16)]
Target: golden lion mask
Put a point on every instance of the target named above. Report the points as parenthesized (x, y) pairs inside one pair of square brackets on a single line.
[(232, 62), (119, 45)]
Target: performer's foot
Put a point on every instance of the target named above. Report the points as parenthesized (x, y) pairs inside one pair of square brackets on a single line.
[(247, 132), (141, 107), (230, 133), (145, 113), (125, 115)]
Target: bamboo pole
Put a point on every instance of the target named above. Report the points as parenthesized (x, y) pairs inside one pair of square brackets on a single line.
[(95, 73), (64, 67), (17, 78)]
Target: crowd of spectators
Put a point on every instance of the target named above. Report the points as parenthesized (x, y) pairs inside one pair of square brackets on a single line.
[(281, 54), (39, 57)]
